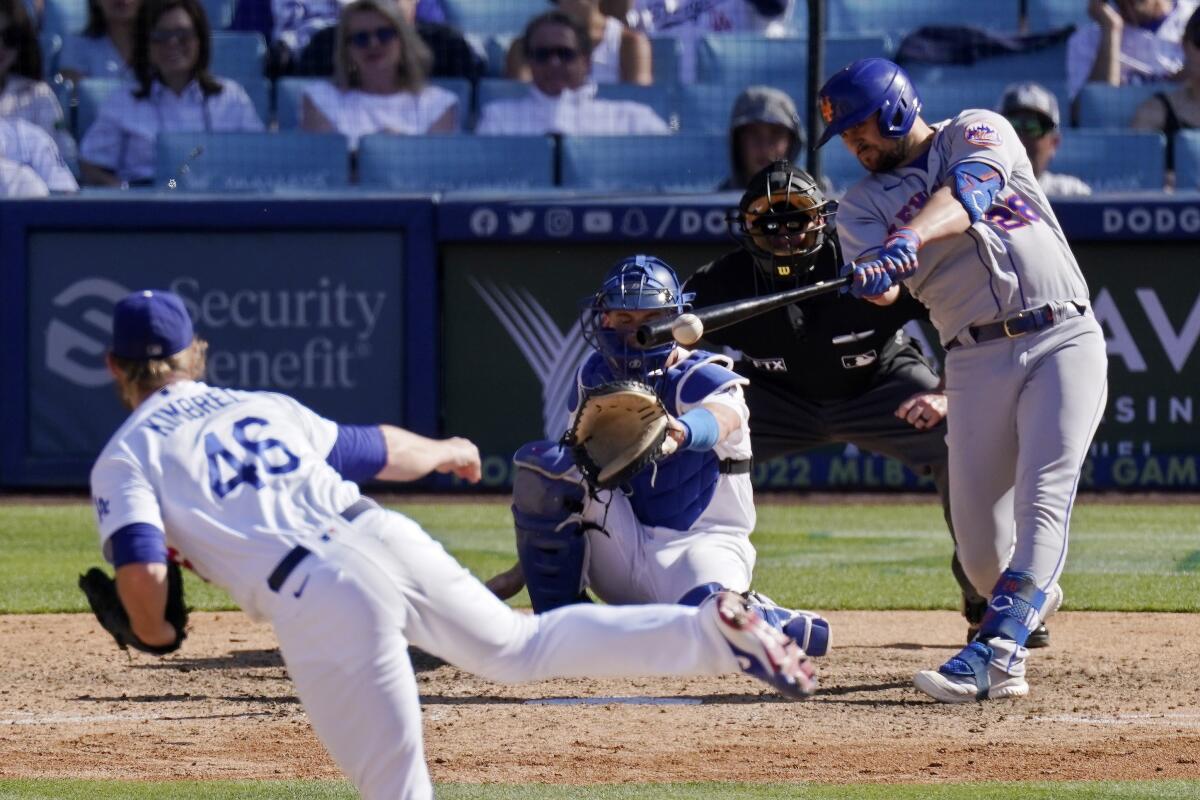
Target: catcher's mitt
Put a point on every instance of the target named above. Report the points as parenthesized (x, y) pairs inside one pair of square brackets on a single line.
[(101, 592), (620, 428)]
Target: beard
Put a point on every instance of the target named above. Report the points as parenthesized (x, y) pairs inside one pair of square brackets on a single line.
[(890, 159)]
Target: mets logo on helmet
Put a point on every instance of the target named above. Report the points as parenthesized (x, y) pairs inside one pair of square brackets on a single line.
[(982, 135), (826, 110)]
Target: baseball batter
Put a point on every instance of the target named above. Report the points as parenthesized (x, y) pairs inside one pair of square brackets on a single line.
[(954, 211), (679, 530), (251, 490)]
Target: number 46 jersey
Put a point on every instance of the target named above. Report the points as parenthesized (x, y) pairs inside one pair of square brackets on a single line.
[(235, 479)]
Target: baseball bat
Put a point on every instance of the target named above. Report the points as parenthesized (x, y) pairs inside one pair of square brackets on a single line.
[(726, 314)]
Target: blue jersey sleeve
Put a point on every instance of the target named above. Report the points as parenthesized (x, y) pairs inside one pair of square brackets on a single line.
[(359, 453)]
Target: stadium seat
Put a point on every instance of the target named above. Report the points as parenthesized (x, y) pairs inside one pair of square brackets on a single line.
[(240, 55), (485, 17), (259, 90), (1103, 106), (895, 18), (495, 47), (64, 17), (945, 100), (1187, 160), (1116, 160), (705, 108), (220, 13), (51, 44), (681, 163), (253, 162), (1049, 15), (1047, 64), (664, 55), (289, 94), (446, 163), (90, 94), (740, 60)]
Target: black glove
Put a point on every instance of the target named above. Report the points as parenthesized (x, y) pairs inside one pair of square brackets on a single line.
[(101, 593)]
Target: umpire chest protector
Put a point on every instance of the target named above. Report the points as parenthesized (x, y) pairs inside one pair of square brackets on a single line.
[(675, 491)]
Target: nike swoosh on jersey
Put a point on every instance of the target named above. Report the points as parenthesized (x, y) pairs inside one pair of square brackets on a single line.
[(300, 591)]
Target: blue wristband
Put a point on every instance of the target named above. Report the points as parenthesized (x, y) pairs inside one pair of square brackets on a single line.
[(702, 428)]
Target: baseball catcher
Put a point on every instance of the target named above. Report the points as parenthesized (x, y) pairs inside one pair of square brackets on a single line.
[(647, 498)]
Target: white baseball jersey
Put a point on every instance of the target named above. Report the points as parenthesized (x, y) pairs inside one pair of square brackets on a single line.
[(1015, 258), (236, 479)]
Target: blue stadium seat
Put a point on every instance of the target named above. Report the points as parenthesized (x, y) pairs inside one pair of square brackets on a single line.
[(485, 17), (944, 100), (1187, 160), (681, 163), (1049, 15), (895, 18), (495, 47), (90, 94), (220, 13), (741, 60), (1113, 160), (705, 108), (51, 44), (259, 90), (1047, 64), (664, 64), (240, 55), (446, 163), (289, 93), (253, 162), (1103, 106), (64, 17)]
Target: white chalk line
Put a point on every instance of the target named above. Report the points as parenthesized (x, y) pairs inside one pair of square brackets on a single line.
[(624, 701), (1185, 720), (29, 718)]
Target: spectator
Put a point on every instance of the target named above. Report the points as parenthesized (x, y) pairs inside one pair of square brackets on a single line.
[(688, 21), (1171, 112), (23, 93), (19, 181), (453, 57), (1130, 41), (619, 55), (27, 144), (763, 128), (379, 80), (105, 47), (174, 91), (1033, 112), (562, 99)]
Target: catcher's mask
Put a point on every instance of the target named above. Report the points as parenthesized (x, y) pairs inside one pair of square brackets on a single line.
[(782, 220), (638, 283)]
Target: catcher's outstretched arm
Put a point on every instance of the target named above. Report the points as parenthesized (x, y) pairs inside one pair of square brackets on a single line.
[(508, 583), (143, 591)]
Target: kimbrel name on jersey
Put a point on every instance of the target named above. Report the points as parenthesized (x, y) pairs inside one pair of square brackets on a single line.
[(174, 414)]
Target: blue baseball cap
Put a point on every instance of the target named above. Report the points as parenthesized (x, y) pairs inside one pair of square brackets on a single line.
[(152, 323)]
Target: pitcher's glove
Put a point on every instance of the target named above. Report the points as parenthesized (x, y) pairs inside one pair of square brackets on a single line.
[(621, 427), (101, 593)]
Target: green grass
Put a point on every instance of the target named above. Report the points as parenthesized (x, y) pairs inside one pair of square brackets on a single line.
[(1122, 557), (320, 790)]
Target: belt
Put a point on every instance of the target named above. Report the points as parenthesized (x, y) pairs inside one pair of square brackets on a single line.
[(298, 553), (733, 466), (1033, 319)]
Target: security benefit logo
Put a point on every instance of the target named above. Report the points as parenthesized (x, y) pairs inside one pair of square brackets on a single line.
[(317, 336)]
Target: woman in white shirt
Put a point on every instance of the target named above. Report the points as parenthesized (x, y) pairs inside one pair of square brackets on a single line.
[(380, 67), (174, 92), (105, 47), (23, 93)]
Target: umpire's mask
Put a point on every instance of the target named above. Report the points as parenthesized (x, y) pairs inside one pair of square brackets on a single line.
[(782, 220)]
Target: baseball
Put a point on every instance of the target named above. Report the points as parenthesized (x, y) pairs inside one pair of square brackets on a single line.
[(687, 329)]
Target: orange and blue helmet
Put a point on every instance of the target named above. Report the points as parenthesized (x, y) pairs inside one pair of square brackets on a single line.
[(867, 86)]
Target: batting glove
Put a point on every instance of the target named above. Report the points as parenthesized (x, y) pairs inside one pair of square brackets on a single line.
[(869, 279), (899, 254)]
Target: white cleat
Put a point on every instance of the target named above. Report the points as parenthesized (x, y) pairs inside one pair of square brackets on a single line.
[(761, 650), (962, 688)]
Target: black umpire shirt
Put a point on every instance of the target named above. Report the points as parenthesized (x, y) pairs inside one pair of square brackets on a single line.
[(829, 347)]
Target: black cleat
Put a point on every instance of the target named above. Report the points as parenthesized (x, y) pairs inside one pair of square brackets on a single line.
[(1038, 637)]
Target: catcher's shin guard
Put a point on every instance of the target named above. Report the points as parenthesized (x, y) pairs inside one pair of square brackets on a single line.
[(547, 501), (809, 630)]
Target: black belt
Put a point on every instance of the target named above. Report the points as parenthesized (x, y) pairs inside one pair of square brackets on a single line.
[(733, 466), (298, 553), (1033, 319)]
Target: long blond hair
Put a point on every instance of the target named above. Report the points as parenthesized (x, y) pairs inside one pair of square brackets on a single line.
[(415, 58), (139, 378)]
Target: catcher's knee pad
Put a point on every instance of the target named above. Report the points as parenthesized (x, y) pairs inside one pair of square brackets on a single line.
[(1015, 610), (547, 501), (811, 631)]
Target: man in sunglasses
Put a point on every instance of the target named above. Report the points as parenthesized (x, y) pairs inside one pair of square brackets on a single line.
[(828, 370), (562, 98), (1033, 112)]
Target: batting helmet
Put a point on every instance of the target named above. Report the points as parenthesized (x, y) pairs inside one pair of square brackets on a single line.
[(866, 86), (636, 283), (782, 220)]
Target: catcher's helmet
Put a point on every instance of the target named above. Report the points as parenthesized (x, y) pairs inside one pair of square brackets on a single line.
[(636, 283), (782, 220), (864, 87)]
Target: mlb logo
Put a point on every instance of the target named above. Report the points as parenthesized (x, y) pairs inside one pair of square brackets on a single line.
[(982, 135)]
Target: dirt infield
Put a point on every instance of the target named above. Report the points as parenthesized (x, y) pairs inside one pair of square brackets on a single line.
[(72, 706)]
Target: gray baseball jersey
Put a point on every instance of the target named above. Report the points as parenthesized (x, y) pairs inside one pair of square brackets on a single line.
[(1013, 259)]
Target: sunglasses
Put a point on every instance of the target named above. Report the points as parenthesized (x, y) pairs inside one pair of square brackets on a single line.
[(543, 55), (12, 38), (362, 39), (1031, 126), (179, 36)]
